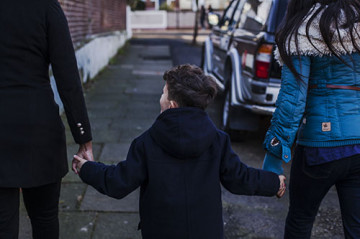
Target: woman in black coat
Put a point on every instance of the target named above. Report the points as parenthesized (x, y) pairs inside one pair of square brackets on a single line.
[(34, 34)]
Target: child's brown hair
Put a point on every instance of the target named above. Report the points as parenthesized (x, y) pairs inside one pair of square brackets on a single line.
[(189, 86)]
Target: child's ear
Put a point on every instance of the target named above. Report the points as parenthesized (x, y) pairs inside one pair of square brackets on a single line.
[(173, 104)]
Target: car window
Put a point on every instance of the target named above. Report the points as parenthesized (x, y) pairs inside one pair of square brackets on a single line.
[(227, 20), (255, 14), (237, 13)]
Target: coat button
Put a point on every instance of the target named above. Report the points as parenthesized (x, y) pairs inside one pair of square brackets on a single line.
[(78, 124), (81, 128), (286, 156), (82, 132)]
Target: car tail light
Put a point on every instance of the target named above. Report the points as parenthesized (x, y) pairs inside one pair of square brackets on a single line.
[(262, 61)]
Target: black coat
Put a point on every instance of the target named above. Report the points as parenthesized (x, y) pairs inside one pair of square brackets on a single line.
[(179, 164), (32, 137)]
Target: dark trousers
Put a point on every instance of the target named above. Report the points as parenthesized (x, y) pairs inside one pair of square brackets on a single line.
[(309, 185), (42, 207)]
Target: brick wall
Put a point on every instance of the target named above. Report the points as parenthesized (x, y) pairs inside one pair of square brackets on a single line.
[(88, 17)]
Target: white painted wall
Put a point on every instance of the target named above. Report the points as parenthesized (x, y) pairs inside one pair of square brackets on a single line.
[(216, 4), (151, 19), (162, 19), (128, 22), (94, 56)]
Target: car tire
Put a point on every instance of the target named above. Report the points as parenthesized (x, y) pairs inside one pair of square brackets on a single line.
[(225, 122), (228, 112), (204, 61)]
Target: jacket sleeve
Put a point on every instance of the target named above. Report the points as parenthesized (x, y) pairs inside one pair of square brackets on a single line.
[(290, 107), (273, 164), (64, 67), (120, 180), (238, 178)]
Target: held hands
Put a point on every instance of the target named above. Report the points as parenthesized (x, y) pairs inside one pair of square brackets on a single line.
[(79, 162), (282, 188), (274, 164), (84, 154)]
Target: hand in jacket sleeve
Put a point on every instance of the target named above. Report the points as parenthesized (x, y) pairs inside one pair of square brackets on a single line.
[(120, 180), (238, 178), (273, 164)]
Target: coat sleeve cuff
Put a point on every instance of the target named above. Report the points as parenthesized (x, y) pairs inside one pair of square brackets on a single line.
[(273, 164), (88, 171), (275, 145), (81, 131)]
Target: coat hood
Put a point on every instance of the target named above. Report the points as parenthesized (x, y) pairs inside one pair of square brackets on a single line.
[(307, 48), (183, 132)]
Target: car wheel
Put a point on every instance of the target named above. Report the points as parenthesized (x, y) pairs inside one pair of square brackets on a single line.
[(205, 62), (228, 113)]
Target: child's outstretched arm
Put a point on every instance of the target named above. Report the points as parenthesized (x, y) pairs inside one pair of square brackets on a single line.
[(238, 178), (115, 181)]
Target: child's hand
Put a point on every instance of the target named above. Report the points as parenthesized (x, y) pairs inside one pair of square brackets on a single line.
[(282, 188), (78, 163), (85, 152)]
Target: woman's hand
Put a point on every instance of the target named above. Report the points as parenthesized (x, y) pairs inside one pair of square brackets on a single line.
[(78, 162), (282, 188), (84, 153)]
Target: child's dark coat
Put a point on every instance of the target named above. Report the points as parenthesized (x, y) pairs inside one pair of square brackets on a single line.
[(179, 164)]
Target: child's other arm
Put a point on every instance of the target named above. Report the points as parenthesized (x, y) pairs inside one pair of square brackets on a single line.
[(238, 178), (120, 180)]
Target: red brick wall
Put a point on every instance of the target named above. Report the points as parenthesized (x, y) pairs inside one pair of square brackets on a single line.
[(149, 4), (87, 17)]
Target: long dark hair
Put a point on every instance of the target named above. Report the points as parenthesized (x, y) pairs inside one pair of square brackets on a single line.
[(298, 10)]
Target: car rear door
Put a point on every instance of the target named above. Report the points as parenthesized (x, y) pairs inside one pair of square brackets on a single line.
[(250, 35), (220, 37)]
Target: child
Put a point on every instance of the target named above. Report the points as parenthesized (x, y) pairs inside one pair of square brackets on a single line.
[(179, 163)]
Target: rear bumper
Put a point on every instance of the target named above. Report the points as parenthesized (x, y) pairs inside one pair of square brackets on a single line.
[(259, 103), (259, 109)]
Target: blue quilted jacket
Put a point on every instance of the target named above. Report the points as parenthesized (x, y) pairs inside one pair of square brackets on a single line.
[(316, 110)]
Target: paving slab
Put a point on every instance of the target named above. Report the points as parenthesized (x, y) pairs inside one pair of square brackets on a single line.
[(104, 104), (77, 225), (71, 195), (95, 201), (242, 225), (105, 136), (106, 114), (150, 115), (148, 98), (114, 152), (106, 101), (101, 124), (127, 136), (150, 51), (115, 225), (141, 124)]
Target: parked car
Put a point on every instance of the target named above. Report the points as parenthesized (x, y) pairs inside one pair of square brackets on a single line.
[(238, 54)]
